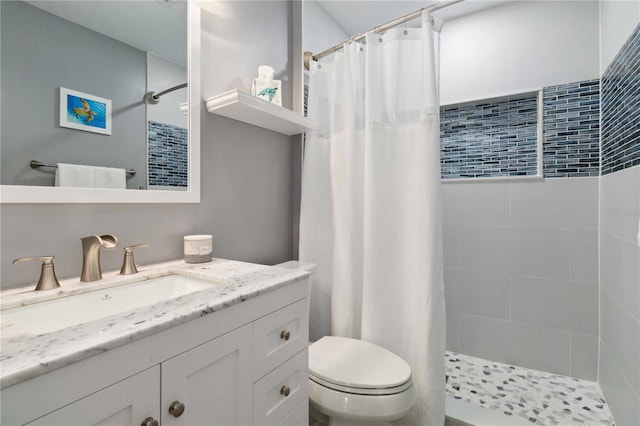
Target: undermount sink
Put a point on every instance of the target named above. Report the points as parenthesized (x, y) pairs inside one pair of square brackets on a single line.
[(63, 312)]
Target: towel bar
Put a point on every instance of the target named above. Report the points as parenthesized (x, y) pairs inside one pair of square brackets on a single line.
[(37, 164)]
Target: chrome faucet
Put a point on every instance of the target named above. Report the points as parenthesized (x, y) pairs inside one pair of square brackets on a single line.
[(91, 255)]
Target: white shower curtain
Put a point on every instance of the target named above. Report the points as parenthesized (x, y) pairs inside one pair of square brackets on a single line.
[(371, 210)]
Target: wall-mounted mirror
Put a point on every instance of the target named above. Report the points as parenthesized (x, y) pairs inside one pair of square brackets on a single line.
[(75, 78)]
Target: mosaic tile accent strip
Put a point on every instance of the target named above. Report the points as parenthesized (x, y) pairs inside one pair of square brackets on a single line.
[(572, 129), (621, 108), (541, 398), (168, 153), (489, 138)]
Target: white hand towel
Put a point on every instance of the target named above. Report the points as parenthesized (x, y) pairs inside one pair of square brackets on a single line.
[(80, 176), (108, 177), (75, 175)]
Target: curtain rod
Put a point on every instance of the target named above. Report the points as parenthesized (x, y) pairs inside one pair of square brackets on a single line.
[(309, 56), (153, 97)]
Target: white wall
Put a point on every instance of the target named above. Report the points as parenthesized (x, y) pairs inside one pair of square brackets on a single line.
[(618, 18), (518, 47), (236, 51), (320, 31)]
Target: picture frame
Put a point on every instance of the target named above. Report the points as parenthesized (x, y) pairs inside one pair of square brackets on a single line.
[(82, 111)]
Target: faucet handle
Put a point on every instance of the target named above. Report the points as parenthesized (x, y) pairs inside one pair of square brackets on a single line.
[(48, 278), (129, 265)]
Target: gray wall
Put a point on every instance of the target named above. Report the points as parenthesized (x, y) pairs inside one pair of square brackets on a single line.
[(246, 173), (521, 273), (42, 52)]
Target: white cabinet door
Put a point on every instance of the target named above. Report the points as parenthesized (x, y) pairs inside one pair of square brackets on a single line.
[(213, 382), (128, 402)]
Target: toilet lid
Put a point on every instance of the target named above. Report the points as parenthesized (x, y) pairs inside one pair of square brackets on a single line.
[(356, 364)]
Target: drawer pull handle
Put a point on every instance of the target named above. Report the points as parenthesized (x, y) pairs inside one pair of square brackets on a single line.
[(149, 421), (284, 390), (176, 408), (284, 335)]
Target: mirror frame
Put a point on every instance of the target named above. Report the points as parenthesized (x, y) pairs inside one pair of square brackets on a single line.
[(50, 194)]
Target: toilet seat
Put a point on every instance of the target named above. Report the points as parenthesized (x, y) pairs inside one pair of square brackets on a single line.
[(357, 367), (360, 391)]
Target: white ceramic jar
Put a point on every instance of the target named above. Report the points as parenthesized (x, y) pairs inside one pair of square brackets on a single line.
[(198, 248)]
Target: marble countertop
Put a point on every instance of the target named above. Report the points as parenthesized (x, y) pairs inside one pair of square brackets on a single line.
[(23, 356)]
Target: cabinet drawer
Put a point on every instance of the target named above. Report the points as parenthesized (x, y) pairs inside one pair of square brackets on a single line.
[(279, 392), (299, 416), (279, 336)]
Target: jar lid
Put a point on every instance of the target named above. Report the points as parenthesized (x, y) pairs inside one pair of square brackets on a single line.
[(197, 237)]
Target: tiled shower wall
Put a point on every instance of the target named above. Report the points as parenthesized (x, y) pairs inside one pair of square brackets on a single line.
[(521, 258), (619, 222), (572, 129), (521, 274)]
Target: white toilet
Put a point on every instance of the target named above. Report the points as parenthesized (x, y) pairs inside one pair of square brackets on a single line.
[(352, 382)]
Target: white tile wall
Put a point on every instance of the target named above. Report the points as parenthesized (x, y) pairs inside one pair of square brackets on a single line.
[(618, 331), (451, 245), (619, 374), (583, 362), (564, 304), (516, 343), (620, 397), (478, 292), (619, 263), (556, 204), (534, 252), (522, 271), (471, 207), (620, 199), (584, 259)]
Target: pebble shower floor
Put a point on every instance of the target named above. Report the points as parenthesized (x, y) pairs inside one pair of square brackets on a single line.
[(541, 398)]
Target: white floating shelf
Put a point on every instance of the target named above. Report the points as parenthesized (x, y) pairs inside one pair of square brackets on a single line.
[(247, 108)]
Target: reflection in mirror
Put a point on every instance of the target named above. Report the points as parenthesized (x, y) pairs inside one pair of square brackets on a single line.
[(166, 125), (100, 51)]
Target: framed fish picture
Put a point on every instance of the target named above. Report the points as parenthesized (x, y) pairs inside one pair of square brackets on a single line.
[(82, 111)]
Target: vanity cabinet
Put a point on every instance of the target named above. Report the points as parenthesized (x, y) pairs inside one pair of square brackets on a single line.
[(243, 365), (123, 403), (212, 381)]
